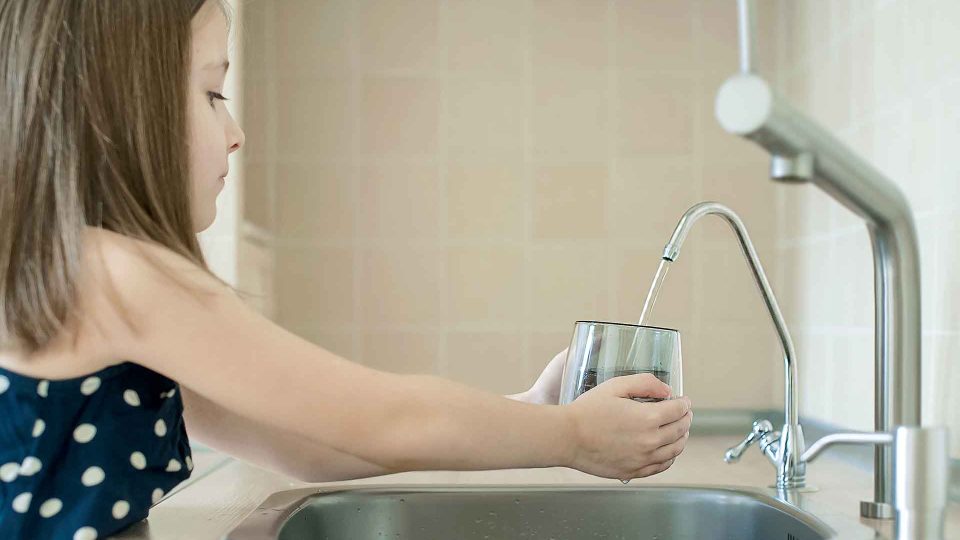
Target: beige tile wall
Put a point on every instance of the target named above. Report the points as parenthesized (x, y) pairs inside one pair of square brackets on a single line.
[(883, 76), (452, 183)]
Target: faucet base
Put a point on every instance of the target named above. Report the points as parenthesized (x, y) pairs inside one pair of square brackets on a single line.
[(876, 510), (794, 483)]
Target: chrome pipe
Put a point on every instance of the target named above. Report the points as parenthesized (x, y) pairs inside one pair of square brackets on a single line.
[(746, 22), (827, 441)]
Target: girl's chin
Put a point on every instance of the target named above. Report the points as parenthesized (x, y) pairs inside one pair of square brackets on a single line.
[(204, 222)]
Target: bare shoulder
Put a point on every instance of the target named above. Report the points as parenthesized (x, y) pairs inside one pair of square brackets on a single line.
[(123, 286), (130, 283), (133, 263)]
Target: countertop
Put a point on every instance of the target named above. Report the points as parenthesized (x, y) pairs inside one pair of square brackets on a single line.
[(223, 491)]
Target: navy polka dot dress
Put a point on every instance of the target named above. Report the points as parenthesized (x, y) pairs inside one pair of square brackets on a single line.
[(84, 458)]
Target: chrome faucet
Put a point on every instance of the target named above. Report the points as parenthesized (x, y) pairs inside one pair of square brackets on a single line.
[(782, 448), (802, 151)]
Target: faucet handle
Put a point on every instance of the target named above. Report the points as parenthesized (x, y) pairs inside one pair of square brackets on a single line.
[(760, 428)]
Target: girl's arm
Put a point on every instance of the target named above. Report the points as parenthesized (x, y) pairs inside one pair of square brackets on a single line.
[(208, 340), (268, 447)]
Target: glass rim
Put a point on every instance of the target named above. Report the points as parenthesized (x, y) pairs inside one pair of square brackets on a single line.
[(630, 325)]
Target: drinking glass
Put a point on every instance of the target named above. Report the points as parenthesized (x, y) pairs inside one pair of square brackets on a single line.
[(602, 350)]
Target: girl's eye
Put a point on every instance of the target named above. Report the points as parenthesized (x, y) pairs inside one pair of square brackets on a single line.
[(215, 95)]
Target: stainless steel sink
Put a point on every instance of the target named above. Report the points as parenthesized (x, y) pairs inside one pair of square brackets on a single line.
[(528, 512)]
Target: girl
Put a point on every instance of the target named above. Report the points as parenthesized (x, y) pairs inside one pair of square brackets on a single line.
[(116, 341)]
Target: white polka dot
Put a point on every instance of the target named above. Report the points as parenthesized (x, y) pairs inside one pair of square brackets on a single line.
[(189, 463), (172, 392), (84, 433), (21, 503), (89, 385), (4, 384), (160, 428), (42, 388), (85, 533), (30, 466), (50, 507), (120, 509), (173, 466), (92, 476), (9, 471), (38, 427), (138, 460), (157, 495), (131, 397)]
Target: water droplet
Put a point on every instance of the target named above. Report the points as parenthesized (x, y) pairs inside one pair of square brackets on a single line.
[(626, 481)]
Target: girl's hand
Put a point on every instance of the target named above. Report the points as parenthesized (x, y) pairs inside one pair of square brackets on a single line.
[(616, 437), (546, 389)]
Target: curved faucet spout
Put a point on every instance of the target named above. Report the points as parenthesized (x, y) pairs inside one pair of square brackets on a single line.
[(672, 251), (790, 468)]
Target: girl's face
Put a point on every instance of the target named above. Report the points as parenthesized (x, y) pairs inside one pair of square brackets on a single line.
[(213, 132)]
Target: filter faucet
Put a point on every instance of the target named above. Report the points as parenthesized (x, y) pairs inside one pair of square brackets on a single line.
[(783, 448)]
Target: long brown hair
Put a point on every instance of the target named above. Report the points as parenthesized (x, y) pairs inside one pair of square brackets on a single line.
[(93, 132)]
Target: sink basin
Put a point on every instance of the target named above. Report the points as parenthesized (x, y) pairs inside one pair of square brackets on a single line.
[(528, 512)]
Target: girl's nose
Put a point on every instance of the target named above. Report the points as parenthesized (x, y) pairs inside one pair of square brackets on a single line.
[(235, 135), (237, 138)]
